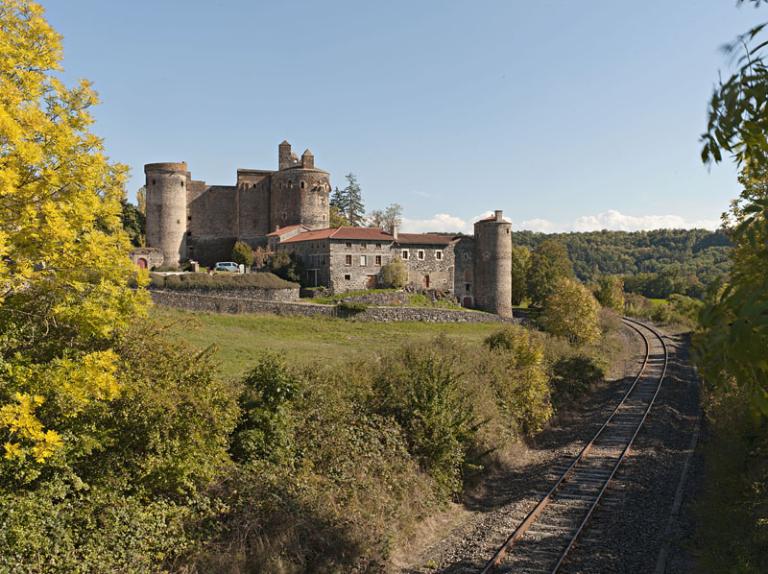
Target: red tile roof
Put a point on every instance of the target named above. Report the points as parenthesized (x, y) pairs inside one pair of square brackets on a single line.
[(370, 234), (284, 230)]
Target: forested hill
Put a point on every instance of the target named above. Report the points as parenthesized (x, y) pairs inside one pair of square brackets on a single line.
[(664, 260)]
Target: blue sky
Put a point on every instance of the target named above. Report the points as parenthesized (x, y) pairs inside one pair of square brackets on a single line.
[(565, 114)]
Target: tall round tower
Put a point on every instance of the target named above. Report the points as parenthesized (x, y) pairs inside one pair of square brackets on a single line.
[(493, 265), (300, 192), (167, 209)]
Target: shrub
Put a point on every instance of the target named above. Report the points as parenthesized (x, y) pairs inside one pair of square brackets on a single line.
[(422, 389), (394, 274), (286, 265), (571, 311), (610, 292), (518, 375), (351, 307), (233, 281), (243, 254), (573, 376)]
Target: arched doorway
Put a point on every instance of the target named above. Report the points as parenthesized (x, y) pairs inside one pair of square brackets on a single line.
[(142, 263), (467, 302)]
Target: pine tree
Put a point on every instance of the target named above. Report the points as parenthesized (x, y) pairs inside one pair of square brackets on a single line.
[(353, 197)]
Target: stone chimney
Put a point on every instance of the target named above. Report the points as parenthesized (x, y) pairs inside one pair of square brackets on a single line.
[(497, 213), (393, 230)]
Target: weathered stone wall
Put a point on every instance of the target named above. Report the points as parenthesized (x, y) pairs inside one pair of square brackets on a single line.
[(219, 304), (430, 272), (213, 213), (314, 257), (493, 266), (147, 257), (463, 275), (252, 206), (348, 277), (285, 295)]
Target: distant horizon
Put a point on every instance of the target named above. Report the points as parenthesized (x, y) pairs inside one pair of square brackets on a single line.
[(568, 117)]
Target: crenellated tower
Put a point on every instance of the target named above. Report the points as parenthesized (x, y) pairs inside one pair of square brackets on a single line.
[(300, 192)]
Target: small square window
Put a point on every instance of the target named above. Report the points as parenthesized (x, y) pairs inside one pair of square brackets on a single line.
[(467, 287), (349, 245), (363, 260), (420, 254), (439, 255), (378, 246), (347, 277), (378, 260), (404, 254), (347, 260)]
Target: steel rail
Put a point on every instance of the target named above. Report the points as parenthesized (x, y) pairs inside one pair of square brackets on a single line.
[(531, 517)]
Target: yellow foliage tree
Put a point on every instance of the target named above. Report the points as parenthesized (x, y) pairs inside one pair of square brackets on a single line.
[(64, 269), (571, 311)]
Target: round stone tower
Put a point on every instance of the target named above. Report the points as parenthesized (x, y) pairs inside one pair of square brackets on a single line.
[(167, 209), (300, 192), (493, 265)]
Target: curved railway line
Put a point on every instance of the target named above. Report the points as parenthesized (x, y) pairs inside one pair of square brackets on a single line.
[(544, 538)]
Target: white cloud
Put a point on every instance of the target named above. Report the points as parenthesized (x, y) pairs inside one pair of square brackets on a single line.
[(439, 222), (614, 220), (611, 220)]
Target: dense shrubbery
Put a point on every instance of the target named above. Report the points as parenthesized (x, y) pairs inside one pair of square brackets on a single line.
[(571, 311), (184, 281), (394, 274)]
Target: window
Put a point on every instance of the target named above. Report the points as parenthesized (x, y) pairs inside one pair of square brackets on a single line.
[(378, 246), (404, 254), (153, 182), (302, 185), (420, 254), (349, 245), (182, 183), (378, 260), (189, 218), (439, 255), (347, 260), (347, 277), (467, 287), (363, 260)]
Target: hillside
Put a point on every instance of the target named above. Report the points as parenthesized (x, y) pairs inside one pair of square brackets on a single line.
[(662, 261)]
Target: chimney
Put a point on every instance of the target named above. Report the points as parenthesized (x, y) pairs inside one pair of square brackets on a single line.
[(393, 230), (497, 213)]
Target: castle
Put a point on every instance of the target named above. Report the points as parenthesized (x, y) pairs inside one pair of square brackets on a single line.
[(288, 210)]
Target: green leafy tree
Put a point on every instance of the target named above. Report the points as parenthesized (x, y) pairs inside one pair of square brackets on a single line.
[(353, 201), (387, 218), (610, 292), (336, 217), (141, 200), (242, 253), (394, 274), (571, 311), (549, 264), (521, 263), (134, 223), (286, 265)]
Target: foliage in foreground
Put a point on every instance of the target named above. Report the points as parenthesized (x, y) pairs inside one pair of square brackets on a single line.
[(229, 281)]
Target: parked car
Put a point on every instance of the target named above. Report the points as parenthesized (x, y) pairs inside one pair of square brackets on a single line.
[(227, 267)]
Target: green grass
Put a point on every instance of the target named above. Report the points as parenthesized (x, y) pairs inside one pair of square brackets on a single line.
[(303, 339)]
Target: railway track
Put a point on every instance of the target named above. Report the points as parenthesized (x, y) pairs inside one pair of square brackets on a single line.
[(544, 538)]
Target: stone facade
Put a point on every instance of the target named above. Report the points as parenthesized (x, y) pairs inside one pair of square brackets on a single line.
[(288, 210)]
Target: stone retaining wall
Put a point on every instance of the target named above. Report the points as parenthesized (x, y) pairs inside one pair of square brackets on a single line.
[(223, 304), (246, 293)]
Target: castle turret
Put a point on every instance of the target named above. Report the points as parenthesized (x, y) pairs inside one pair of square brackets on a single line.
[(166, 186), (493, 265), (299, 192)]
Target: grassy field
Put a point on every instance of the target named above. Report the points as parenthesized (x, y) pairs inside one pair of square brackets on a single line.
[(240, 337)]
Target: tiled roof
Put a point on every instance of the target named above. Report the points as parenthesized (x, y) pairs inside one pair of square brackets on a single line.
[(370, 234), (284, 230), (424, 239)]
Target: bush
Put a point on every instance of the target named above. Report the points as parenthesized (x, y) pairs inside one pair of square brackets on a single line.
[(571, 311), (219, 281), (573, 376), (610, 292), (286, 265), (243, 254), (394, 274), (351, 307), (422, 388)]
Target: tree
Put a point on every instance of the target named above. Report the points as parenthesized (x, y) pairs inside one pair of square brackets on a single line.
[(286, 265), (388, 218), (64, 271), (243, 254), (549, 263), (353, 201), (141, 200), (336, 217), (610, 292), (394, 274), (134, 223), (521, 263), (338, 202), (571, 311)]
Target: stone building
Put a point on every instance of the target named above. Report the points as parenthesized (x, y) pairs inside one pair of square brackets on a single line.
[(288, 210)]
